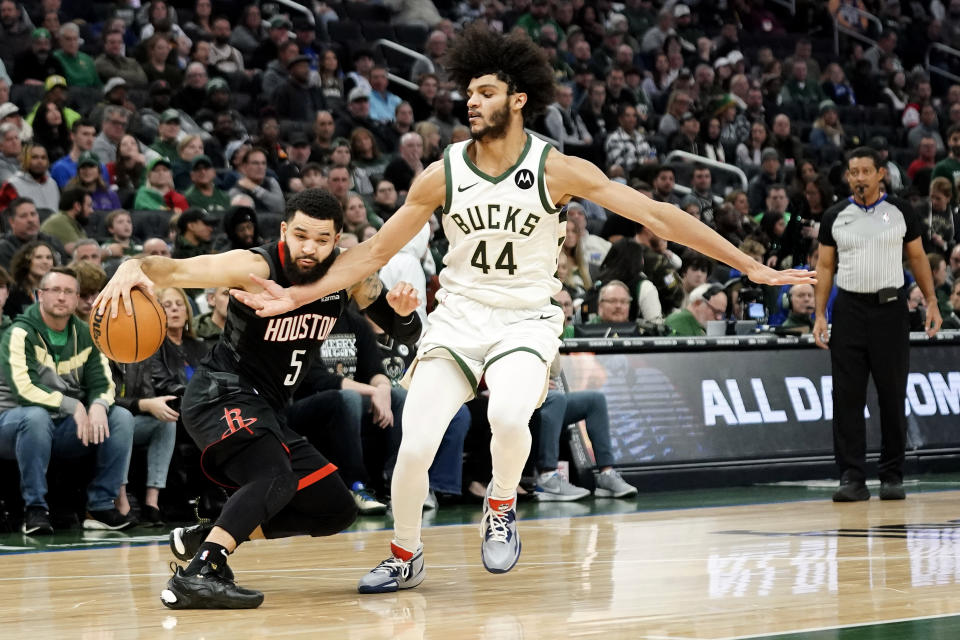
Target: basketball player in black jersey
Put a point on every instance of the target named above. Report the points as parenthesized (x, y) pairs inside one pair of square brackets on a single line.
[(233, 405)]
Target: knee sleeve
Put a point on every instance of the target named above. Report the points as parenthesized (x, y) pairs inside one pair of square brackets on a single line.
[(255, 503)]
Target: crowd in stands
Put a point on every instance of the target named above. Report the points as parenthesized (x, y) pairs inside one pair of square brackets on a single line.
[(179, 128)]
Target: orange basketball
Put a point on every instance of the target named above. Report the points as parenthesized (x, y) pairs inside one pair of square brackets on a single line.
[(130, 338)]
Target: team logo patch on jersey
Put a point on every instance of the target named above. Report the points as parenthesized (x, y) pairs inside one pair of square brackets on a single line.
[(523, 178)]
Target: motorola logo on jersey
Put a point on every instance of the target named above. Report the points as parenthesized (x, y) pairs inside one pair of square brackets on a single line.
[(523, 178), (306, 326)]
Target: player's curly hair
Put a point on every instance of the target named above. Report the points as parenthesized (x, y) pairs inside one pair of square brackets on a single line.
[(316, 203), (514, 58)]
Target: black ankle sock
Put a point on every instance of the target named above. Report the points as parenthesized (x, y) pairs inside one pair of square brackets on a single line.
[(209, 553)]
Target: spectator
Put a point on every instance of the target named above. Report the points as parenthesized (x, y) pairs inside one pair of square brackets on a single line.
[(928, 127), (76, 66), (358, 115), (278, 72), (750, 151), (45, 409), (896, 176), (624, 264), (385, 199), (886, 46), (29, 264), (297, 98), (926, 156), (34, 64), (686, 137), (836, 87), (67, 225), (224, 57), (365, 153), (663, 182), (10, 114), (383, 104), (707, 302), (322, 145), (760, 184), (680, 102), (193, 94), (799, 302), (129, 170), (788, 146), (597, 115), (32, 181), (168, 131), (203, 192), (157, 192), (249, 33), (210, 325), (81, 140), (22, 219), (50, 129), (157, 65), (90, 180), (271, 48), (563, 123), (241, 230), (949, 167), (254, 182), (940, 228), (10, 149), (626, 147), (195, 230), (434, 48), (113, 129), (112, 63), (828, 136), (404, 168), (90, 280), (655, 37), (120, 242)]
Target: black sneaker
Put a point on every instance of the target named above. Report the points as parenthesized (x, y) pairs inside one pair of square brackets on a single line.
[(150, 517), (36, 522), (186, 541), (107, 520), (851, 491), (892, 491), (209, 589)]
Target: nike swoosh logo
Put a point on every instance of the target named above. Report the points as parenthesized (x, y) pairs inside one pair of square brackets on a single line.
[(459, 188), (543, 317)]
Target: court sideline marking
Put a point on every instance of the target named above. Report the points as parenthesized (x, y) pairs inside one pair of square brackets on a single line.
[(853, 625)]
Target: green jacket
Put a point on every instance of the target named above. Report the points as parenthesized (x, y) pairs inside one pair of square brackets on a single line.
[(35, 373), (79, 70), (206, 329), (683, 323)]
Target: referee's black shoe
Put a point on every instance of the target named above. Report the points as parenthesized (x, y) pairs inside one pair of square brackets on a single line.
[(186, 541), (208, 589), (892, 491), (851, 491)]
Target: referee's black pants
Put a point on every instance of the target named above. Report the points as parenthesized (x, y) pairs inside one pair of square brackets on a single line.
[(869, 338)]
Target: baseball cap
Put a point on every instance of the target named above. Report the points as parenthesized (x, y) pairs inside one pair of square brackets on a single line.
[(769, 154), (280, 22), (681, 10), (54, 81), (827, 105), (112, 84), (687, 116), (194, 214), (199, 160), (877, 143), (358, 93), (721, 62), (170, 115), (217, 84), (88, 158), (159, 86), (298, 59), (158, 160), (239, 214), (8, 109), (299, 139), (40, 33), (734, 56)]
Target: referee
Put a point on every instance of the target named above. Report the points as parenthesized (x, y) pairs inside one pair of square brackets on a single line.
[(863, 239)]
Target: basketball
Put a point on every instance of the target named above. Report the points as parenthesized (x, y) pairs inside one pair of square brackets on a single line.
[(130, 338)]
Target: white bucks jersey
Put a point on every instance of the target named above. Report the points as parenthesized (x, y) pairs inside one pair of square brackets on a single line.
[(505, 233)]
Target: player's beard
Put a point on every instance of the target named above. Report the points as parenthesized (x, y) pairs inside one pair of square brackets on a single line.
[(297, 276), (499, 123)]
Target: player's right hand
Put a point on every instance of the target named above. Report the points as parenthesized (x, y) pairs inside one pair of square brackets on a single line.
[(271, 301), (820, 333), (128, 275)]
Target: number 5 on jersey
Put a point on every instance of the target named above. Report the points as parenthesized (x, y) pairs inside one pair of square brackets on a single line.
[(295, 362), (504, 260)]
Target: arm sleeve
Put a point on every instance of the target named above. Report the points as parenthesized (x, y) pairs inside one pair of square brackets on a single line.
[(405, 329)]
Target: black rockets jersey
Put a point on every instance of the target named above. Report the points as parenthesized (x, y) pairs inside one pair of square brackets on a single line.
[(274, 354)]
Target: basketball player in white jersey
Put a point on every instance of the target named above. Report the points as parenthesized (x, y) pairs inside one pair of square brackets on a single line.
[(501, 193)]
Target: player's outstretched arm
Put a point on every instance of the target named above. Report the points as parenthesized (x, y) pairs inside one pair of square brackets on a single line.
[(426, 194), (230, 269), (577, 177)]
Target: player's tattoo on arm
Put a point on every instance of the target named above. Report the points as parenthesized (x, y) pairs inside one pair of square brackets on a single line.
[(367, 290)]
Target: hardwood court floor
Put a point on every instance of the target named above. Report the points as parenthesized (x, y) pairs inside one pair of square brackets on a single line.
[(799, 569)]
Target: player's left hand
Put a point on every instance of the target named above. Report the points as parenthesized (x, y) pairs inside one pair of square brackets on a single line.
[(272, 301), (763, 274), (934, 320), (403, 298)]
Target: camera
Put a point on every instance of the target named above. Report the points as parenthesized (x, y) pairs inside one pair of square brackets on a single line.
[(750, 301)]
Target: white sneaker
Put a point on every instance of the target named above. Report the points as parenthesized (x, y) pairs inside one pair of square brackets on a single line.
[(610, 484), (430, 502), (366, 502), (501, 540), (395, 573)]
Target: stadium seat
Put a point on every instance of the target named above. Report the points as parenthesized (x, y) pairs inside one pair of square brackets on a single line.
[(373, 31), (151, 224), (411, 35), (26, 95), (345, 32), (364, 13)]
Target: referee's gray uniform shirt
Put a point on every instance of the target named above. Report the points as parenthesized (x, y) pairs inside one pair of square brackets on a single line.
[(869, 242)]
